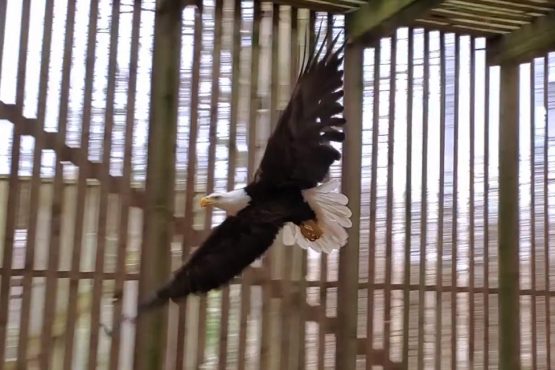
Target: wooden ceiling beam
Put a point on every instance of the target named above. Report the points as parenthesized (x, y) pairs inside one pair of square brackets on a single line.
[(379, 18), (522, 45)]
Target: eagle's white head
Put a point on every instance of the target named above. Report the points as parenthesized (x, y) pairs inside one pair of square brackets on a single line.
[(231, 202)]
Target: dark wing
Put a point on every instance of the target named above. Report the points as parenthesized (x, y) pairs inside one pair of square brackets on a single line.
[(299, 152), (230, 248)]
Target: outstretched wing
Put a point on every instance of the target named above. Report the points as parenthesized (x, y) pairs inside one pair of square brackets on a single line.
[(299, 152), (230, 248)]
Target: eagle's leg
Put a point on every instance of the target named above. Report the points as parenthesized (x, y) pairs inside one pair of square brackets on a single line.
[(311, 230)]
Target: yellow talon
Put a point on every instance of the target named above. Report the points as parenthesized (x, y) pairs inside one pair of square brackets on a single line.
[(311, 230)]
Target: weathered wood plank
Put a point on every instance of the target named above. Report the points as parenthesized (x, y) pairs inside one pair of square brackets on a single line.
[(125, 185), (35, 189), (408, 200), (102, 220), (14, 184), (84, 166), (187, 242), (159, 202), (509, 307), (58, 198), (380, 18), (528, 42), (348, 256)]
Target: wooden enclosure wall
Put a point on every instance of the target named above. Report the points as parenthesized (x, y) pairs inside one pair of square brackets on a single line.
[(74, 110)]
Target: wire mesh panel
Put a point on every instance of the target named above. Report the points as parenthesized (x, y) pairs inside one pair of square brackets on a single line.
[(75, 86)]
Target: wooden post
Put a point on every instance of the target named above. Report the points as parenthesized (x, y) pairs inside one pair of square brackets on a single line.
[(159, 196), (348, 258), (509, 309)]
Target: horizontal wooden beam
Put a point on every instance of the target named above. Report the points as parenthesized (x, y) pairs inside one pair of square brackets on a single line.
[(522, 45), (379, 18)]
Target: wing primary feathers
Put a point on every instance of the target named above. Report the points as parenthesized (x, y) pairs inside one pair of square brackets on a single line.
[(311, 55)]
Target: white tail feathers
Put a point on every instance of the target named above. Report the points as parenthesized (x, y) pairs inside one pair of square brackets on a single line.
[(333, 217)]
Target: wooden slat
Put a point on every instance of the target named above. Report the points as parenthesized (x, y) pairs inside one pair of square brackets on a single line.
[(271, 259), (528, 42), (58, 196), (191, 178), (449, 11), (455, 28), (125, 193), (251, 163), (14, 187), (151, 331), (81, 188), (323, 259), (232, 165), (474, 23), (287, 307), (347, 295), (35, 188), (212, 142), (389, 200), (532, 97), (509, 303), (472, 200), (3, 6), (408, 201), (373, 207), (381, 17), (332, 6), (303, 314), (423, 201), (546, 235), (486, 214), (257, 273), (105, 173), (441, 205), (455, 192)]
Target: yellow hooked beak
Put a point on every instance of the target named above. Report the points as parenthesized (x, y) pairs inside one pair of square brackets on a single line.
[(206, 201)]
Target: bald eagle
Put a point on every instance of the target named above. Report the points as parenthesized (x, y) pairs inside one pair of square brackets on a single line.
[(288, 194)]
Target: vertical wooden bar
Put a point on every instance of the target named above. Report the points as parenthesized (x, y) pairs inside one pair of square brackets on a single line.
[(472, 215), (287, 305), (408, 201), (509, 285), (486, 215), (373, 193), (303, 284), (546, 210), (269, 260), (104, 178), (441, 206), (389, 200), (13, 181), (532, 97), (212, 137), (454, 231), (423, 202), (124, 191), (347, 294), (323, 261), (3, 6), (25, 317), (191, 175), (159, 195), (232, 164), (58, 197), (253, 107), (81, 188), (275, 67)]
